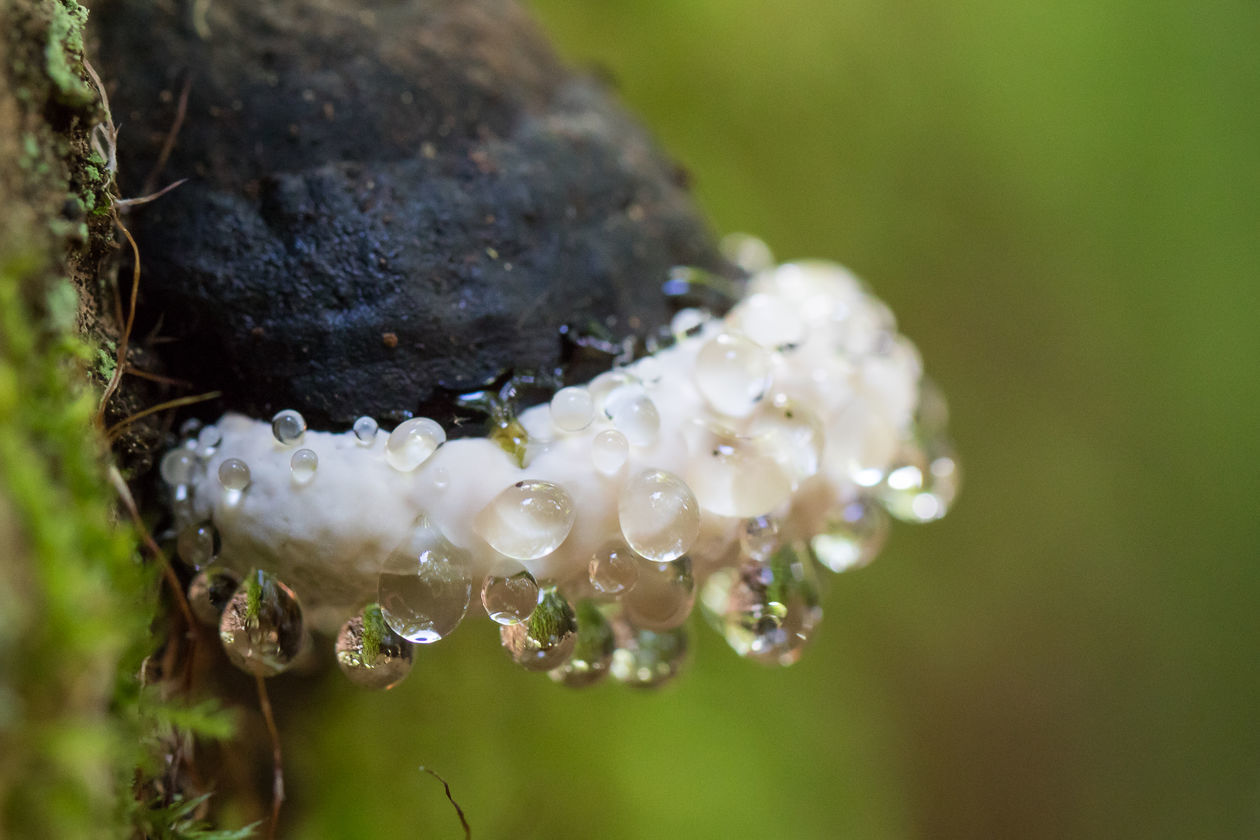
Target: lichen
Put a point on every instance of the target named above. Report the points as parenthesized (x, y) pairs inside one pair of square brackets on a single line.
[(63, 53)]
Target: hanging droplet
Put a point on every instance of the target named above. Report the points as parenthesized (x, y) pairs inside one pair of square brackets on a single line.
[(790, 433), (659, 515), (234, 474), (370, 653), (768, 320), (302, 465), (634, 414), (593, 652), (198, 545), (759, 537), (365, 429), (921, 482), (663, 596), (412, 442), (288, 427), (766, 610), (425, 586), (208, 439), (606, 384), (733, 475), (209, 592), (572, 409), (261, 627), (733, 374), (176, 467), (609, 451), (852, 536), (509, 594), (614, 568), (647, 658), (546, 640), (527, 520)]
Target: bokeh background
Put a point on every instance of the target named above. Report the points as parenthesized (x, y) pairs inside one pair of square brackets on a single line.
[(1061, 202)]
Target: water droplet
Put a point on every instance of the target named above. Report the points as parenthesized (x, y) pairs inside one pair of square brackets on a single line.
[(659, 515), (921, 482), (176, 467), (412, 442), (614, 568), (208, 439), (546, 640), (792, 434), (288, 426), (261, 627), (606, 384), (425, 586), (853, 534), (593, 652), (649, 370), (365, 429), (768, 320), (572, 409), (733, 475), (527, 520), (688, 323), (509, 594), (647, 658), (759, 537), (198, 545), (609, 451), (189, 428), (634, 414), (732, 374), (303, 465), (209, 592), (747, 252), (370, 653), (234, 474), (766, 610), (663, 596)]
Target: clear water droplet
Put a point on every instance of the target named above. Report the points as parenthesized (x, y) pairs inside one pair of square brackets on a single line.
[(261, 628), (209, 592), (425, 587), (528, 520), (548, 638), (302, 465), (176, 467), (572, 409), (509, 594), (634, 414), (921, 482), (288, 427), (593, 652), (688, 323), (606, 384), (792, 434), (853, 534), (648, 658), (759, 537), (663, 596), (198, 544), (733, 475), (412, 442), (614, 568), (768, 320), (365, 429), (659, 515), (208, 439), (234, 474), (747, 252), (766, 610), (370, 654), (609, 451), (733, 374)]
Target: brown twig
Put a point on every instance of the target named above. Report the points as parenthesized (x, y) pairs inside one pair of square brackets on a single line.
[(458, 810), (112, 431), (121, 361), (277, 758), (168, 145)]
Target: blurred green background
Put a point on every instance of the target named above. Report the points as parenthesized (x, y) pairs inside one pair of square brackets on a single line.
[(1062, 204)]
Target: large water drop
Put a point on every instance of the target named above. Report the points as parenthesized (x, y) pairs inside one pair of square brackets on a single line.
[(593, 652), (412, 442), (647, 658), (288, 427), (663, 596), (509, 594), (261, 627), (425, 587), (732, 373), (733, 475), (527, 520), (659, 515), (370, 654), (548, 638), (614, 568), (852, 535), (209, 592)]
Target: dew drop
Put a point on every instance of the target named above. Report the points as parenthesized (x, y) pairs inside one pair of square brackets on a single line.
[(572, 409), (548, 638), (365, 429), (852, 536), (209, 592), (302, 465), (412, 442), (768, 320), (614, 568), (234, 474), (370, 654), (733, 475), (509, 595), (425, 587), (198, 544), (208, 439), (609, 451), (176, 467), (759, 537), (647, 658), (659, 515), (527, 520), (634, 414), (261, 627), (663, 596), (593, 652), (792, 434), (689, 322), (733, 374), (921, 482), (747, 252), (606, 384), (288, 427)]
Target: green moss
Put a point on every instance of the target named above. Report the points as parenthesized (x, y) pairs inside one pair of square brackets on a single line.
[(63, 53), (374, 632)]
